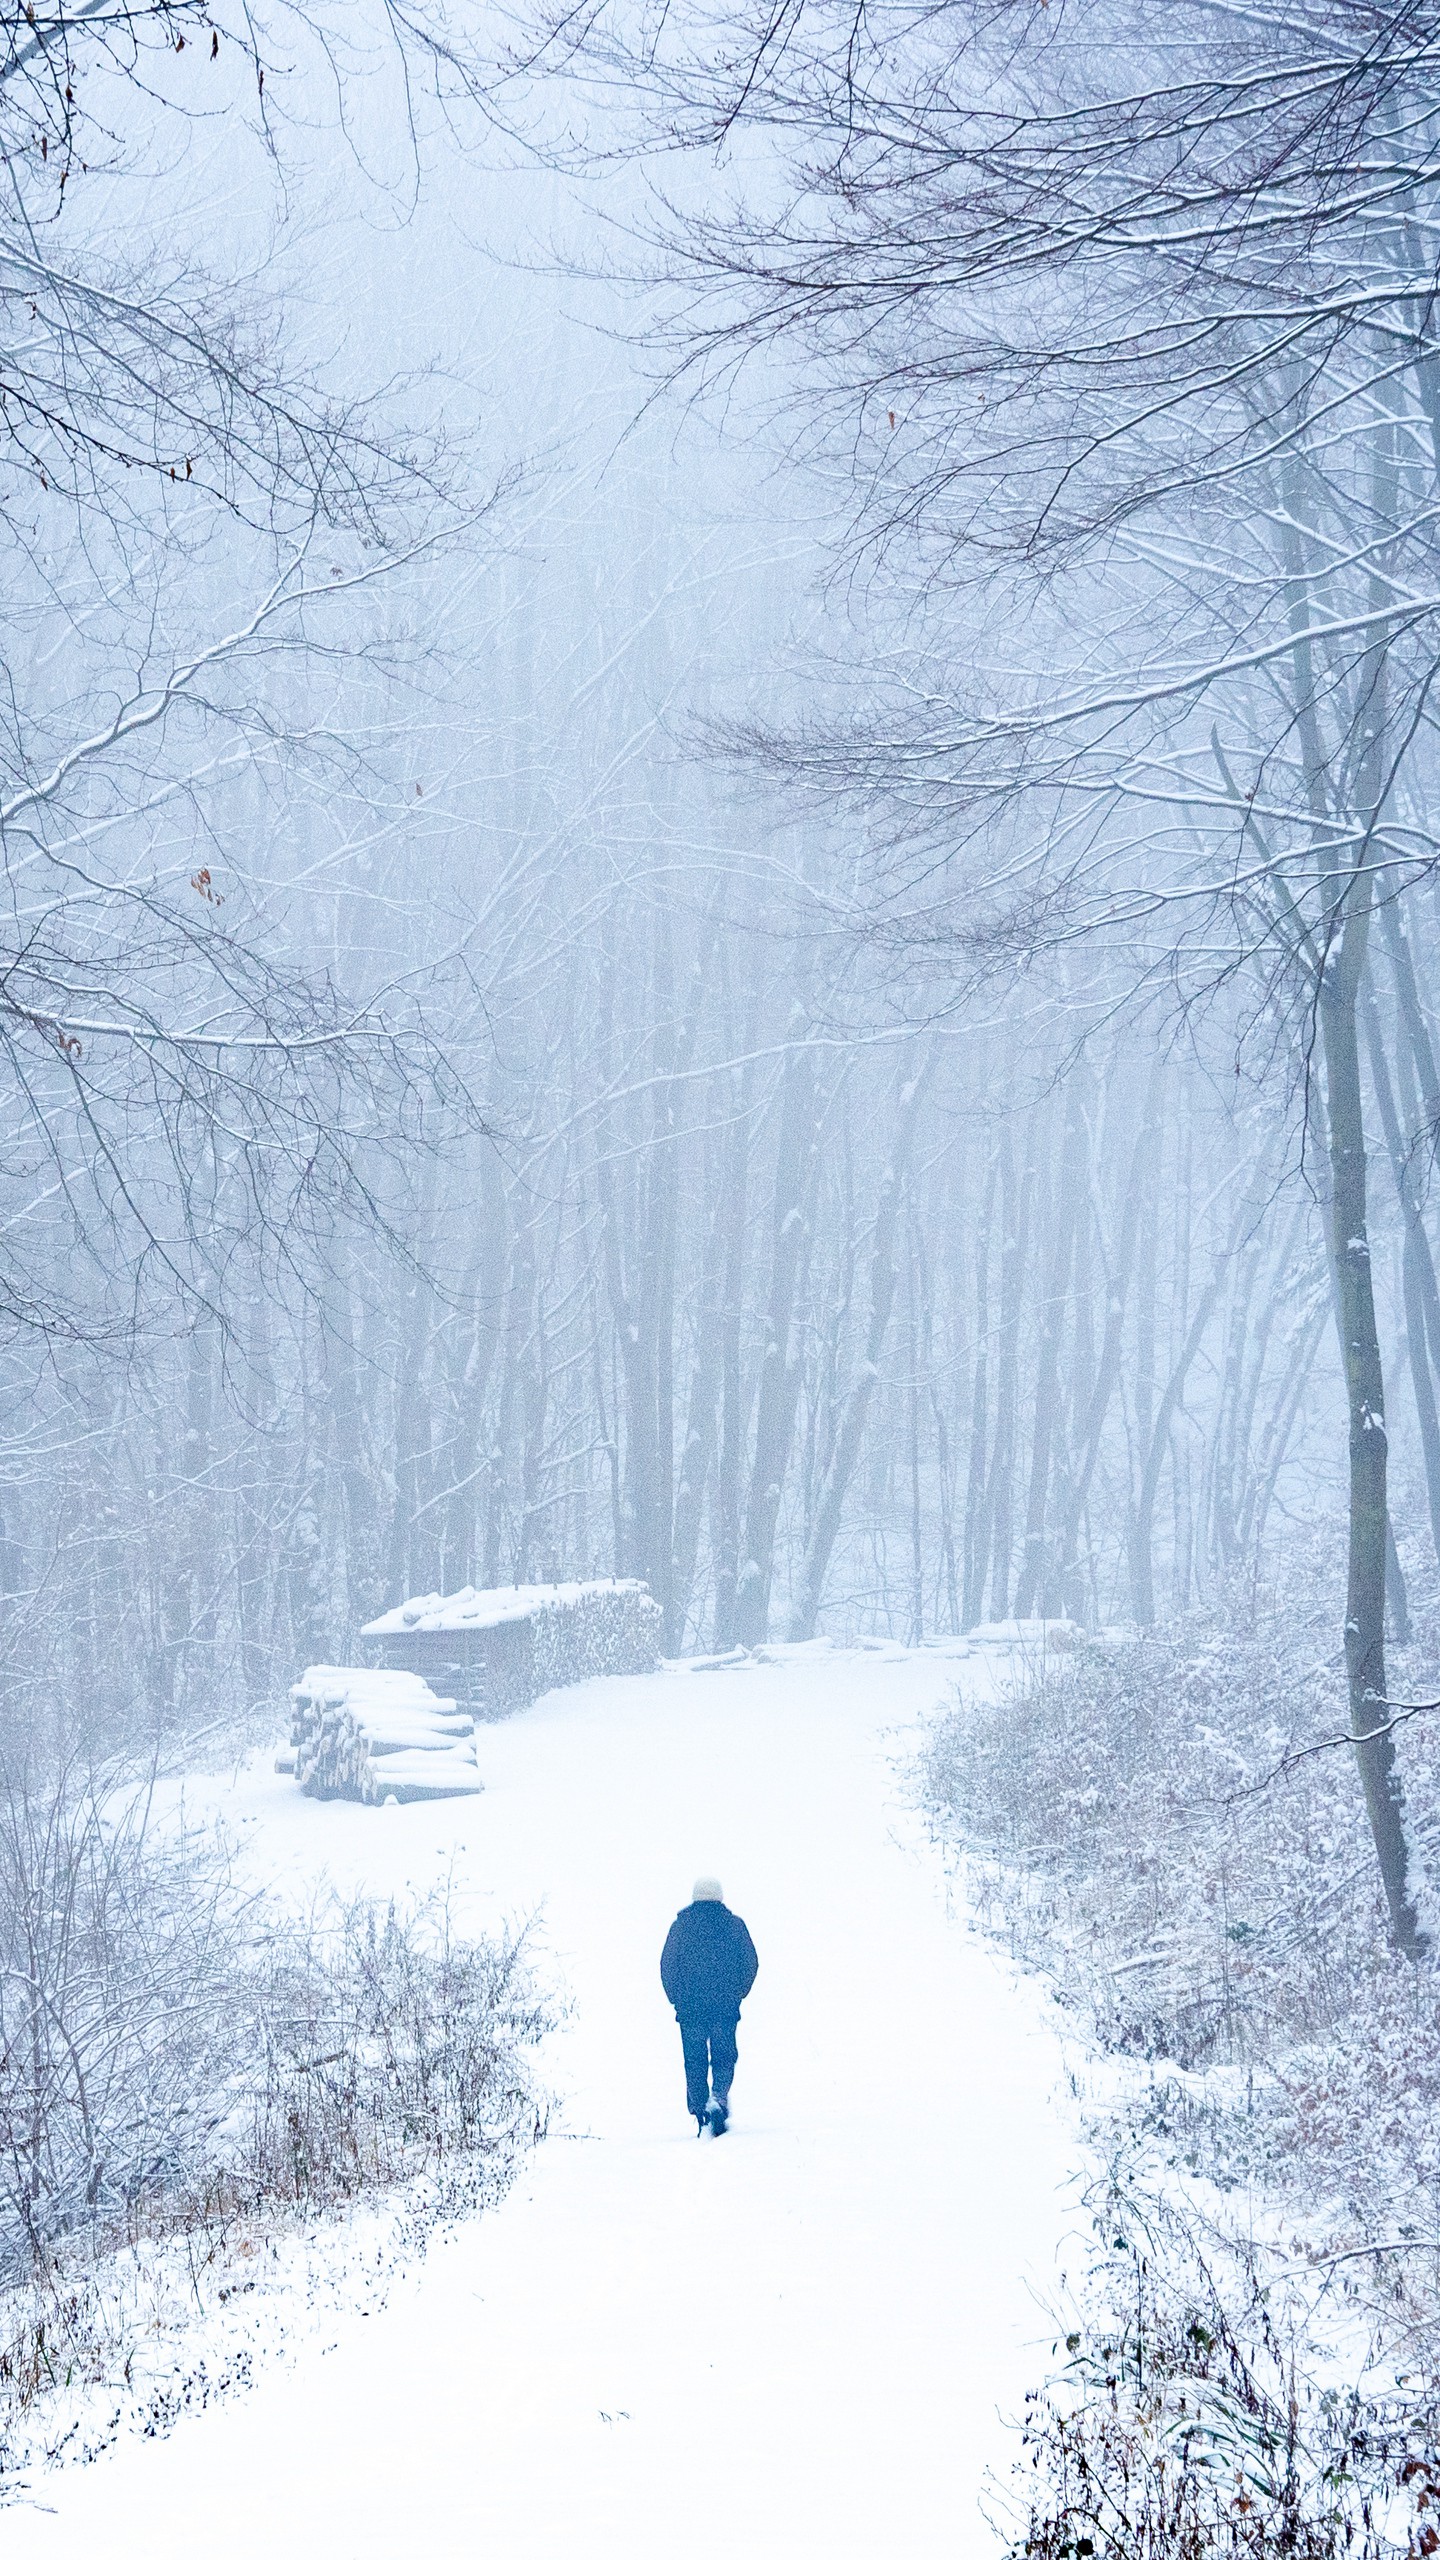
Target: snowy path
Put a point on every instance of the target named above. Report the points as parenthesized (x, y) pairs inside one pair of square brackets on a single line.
[(804, 2340)]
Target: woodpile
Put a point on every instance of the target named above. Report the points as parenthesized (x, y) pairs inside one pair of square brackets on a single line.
[(500, 1649), (379, 1737)]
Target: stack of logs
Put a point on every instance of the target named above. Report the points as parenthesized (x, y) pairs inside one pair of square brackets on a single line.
[(379, 1737)]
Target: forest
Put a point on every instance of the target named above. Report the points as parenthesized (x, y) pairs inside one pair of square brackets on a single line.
[(735, 884)]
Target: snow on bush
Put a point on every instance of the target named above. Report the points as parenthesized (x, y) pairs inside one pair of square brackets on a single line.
[(1185, 2423), (377, 1735), (186, 2065), (1132, 1831)]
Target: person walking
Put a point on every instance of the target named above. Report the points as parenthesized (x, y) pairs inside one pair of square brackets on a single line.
[(707, 1966)]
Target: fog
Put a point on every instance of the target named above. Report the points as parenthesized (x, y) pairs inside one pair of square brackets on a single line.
[(716, 777)]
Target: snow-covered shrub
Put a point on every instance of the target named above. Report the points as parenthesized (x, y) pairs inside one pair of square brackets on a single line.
[(391, 2045), (373, 1735), (1141, 1837), (179, 2054), (1183, 2425), (118, 1950), (1136, 1827)]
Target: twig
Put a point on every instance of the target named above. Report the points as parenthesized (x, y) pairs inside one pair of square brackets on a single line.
[(1335, 1742), (1369, 2249)]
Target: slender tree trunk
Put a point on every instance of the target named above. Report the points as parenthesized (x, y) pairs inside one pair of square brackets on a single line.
[(1014, 1253), (486, 1317), (917, 1559), (780, 1369), (312, 1633), (1338, 977), (1142, 1538), (821, 1543), (500, 1520), (725, 1511), (1412, 1012), (1106, 1371), (1365, 1395), (1225, 1455), (258, 1504), (363, 1593), (1282, 1424), (1047, 1381), (979, 1492), (535, 1407), (1422, 1305), (947, 1508), (698, 1454)]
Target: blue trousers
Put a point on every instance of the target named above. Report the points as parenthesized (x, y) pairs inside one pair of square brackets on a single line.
[(709, 2044)]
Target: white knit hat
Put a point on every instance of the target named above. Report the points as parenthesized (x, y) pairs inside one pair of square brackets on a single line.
[(706, 1890)]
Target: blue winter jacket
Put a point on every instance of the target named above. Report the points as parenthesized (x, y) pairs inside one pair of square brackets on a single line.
[(709, 1961)]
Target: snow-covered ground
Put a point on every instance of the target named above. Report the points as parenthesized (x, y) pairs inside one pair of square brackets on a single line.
[(812, 2338)]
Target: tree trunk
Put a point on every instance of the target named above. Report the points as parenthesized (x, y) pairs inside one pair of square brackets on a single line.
[(1047, 1382), (779, 1371), (979, 1490), (916, 1633), (1276, 1438), (698, 1454), (1365, 1395), (1338, 977), (485, 1311), (725, 1510), (1117, 1286), (363, 1592), (1014, 1252), (828, 1510), (1422, 1306), (1142, 1536)]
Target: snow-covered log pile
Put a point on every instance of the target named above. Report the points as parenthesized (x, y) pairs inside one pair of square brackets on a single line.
[(375, 1735), (584, 1630), (500, 1649), (1031, 1637)]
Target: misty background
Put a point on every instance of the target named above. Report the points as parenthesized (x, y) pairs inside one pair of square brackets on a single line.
[(676, 1197)]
